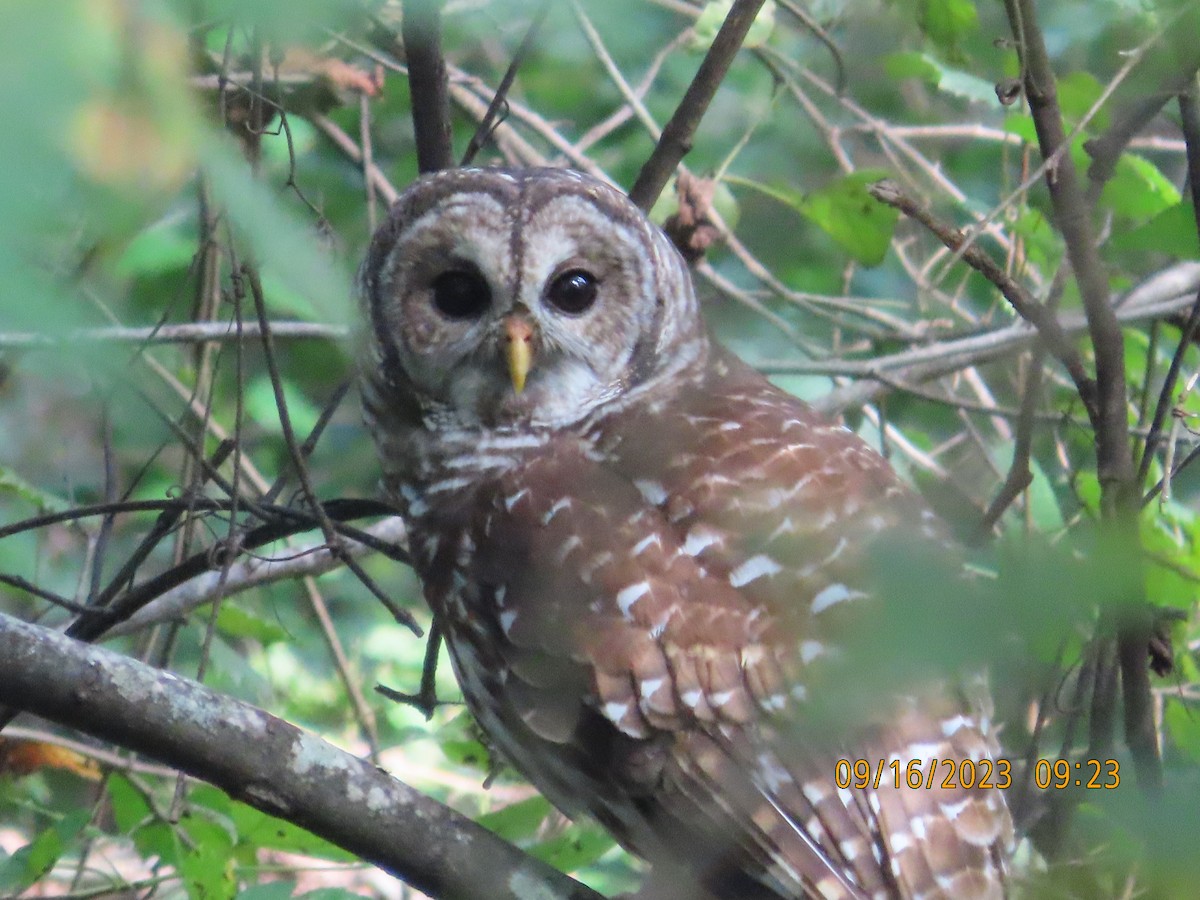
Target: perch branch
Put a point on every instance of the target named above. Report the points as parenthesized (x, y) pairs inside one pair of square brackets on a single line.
[(269, 764)]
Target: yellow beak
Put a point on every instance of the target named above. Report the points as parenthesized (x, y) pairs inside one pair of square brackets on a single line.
[(518, 350)]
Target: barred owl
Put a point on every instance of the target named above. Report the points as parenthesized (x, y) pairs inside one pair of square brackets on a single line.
[(644, 556)]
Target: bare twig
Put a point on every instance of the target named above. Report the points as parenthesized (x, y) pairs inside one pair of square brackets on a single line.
[(347, 145), (1114, 462), (491, 117), (367, 158), (253, 571), (813, 27), (1163, 294), (676, 138), (1020, 476), (1189, 108), (185, 333), (1027, 307), (301, 467), (363, 713), (1106, 149)]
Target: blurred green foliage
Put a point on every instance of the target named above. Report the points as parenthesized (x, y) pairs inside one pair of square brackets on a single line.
[(120, 184)]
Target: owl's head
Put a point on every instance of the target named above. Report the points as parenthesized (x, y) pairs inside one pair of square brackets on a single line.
[(529, 296)]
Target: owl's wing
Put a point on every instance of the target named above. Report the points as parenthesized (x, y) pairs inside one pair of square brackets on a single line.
[(659, 606)]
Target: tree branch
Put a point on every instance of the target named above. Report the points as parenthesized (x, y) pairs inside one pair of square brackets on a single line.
[(427, 84), (1114, 459), (1189, 110), (185, 333), (676, 138), (252, 570), (1120, 496), (269, 764)]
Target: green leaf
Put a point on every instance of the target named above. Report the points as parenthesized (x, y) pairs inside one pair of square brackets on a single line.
[(29, 863), (207, 866), (948, 22), (466, 753), (157, 840), (43, 501), (1183, 723), (260, 404), (575, 847), (843, 209), (1078, 92), (233, 621), (1171, 233), (517, 820), (860, 224), (912, 65), (1043, 504), (267, 832), (948, 79), (945, 22), (166, 246), (1087, 488), (1138, 189), (129, 806), (133, 816)]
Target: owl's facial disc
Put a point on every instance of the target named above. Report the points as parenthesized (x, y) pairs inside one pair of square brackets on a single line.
[(507, 298)]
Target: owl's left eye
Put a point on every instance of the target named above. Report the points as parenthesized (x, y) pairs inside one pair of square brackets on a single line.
[(574, 291), (461, 295)]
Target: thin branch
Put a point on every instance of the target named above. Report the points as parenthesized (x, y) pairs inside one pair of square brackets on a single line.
[(367, 159), (27, 586), (1158, 488), (253, 571), (184, 333), (676, 138), (1020, 475), (1106, 149), (1114, 460), (301, 467), (813, 27), (633, 100), (314, 435), (422, 32), (491, 118), (347, 146), (1119, 493), (1026, 306), (364, 715), (269, 764), (1164, 295), (1189, 108), (282, 523)]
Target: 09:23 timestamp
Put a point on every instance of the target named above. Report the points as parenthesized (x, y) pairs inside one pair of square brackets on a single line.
[(1086, 773)]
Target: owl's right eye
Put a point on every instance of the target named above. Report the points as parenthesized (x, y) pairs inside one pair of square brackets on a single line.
[(461, 295)]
